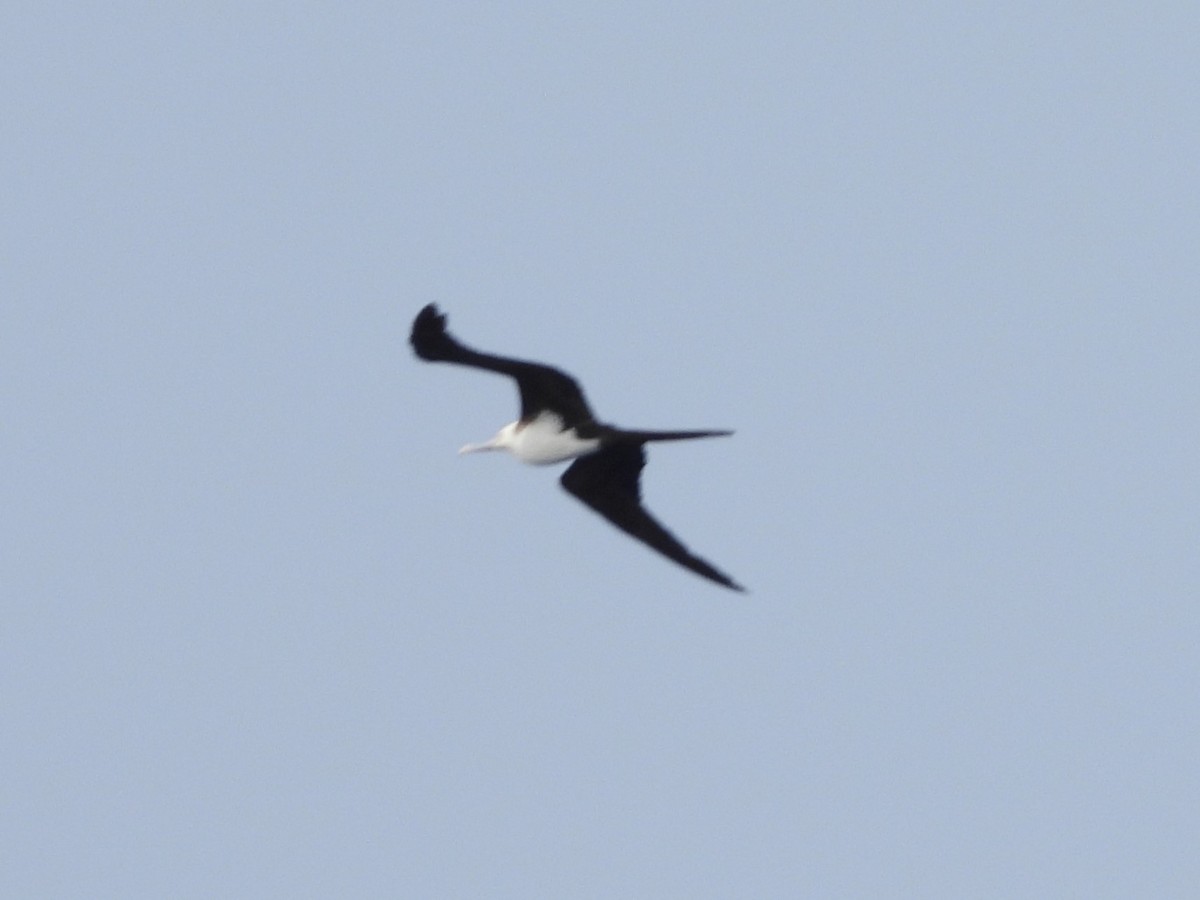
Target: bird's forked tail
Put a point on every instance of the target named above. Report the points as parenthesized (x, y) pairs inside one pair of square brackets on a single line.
[(643, 437)]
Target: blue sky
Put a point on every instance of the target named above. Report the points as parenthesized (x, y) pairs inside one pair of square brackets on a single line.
[(266, 634)]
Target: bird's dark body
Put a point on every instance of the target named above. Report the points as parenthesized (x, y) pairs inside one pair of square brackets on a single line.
[(606, 478)]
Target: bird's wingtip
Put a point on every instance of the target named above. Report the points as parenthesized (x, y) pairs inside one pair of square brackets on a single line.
[(428, 337)]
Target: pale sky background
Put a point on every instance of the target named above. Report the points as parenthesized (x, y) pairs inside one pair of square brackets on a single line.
[(265, 634)]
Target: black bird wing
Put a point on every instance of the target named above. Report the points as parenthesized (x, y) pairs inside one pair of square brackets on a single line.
[(541, 387), (607, 481)]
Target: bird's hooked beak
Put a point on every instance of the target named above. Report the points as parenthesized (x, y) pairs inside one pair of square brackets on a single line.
[(479, 448), (502, 441)]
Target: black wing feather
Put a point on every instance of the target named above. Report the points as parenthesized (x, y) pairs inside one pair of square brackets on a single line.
[(541, 387), (608, 482)]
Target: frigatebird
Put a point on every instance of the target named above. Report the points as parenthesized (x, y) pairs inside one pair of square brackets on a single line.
[(556, 425)]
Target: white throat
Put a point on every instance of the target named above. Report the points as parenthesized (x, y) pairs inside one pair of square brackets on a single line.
[(540, 442)]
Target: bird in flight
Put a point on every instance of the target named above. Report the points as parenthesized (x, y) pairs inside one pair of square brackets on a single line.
[(556, 425)]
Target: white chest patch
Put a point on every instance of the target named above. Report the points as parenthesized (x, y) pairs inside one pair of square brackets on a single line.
[(543, 442)]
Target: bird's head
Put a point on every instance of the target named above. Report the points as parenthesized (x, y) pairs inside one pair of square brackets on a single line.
[(502, 441)]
